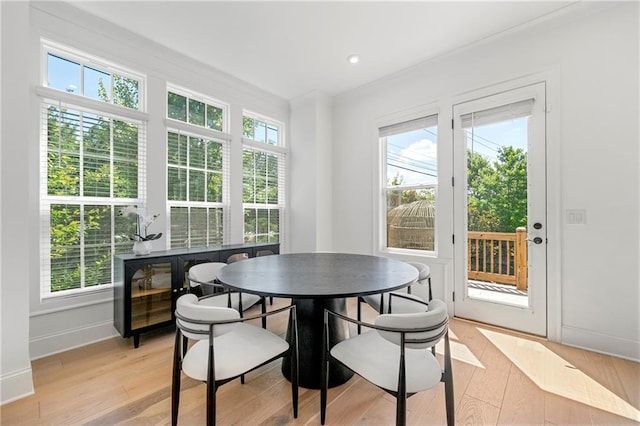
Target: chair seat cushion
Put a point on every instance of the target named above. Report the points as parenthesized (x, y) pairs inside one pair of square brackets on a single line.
[(236, 352), (400, 304), (221, 300), (370, 356)]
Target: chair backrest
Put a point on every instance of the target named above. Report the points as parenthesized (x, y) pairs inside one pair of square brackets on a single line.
[(424, 272), (204, 272), (194, 319), (236, 257), (425, 329)]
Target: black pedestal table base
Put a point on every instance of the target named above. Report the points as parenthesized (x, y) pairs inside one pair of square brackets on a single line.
[(310, 314)]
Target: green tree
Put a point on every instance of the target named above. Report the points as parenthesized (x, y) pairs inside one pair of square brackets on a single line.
[(396, 198), (497, 192), (511, 195)]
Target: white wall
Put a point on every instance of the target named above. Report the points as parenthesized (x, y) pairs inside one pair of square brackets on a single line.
[(31, 327), (595, 59), (15, 368), (310, 168)]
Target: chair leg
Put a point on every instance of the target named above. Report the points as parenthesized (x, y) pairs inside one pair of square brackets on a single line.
[(294, 368), (324, 372), (185, 343), (401, 397), (175, 383), (448, 383), (264, 311), (211, 390), (240, 304), (359, 314)]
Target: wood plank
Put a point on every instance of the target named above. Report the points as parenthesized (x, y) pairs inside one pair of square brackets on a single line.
[(488, 384), (472, 411), (563, 411), (523, 401)]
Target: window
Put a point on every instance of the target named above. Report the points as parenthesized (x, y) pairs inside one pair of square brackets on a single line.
[(263, 179), (191, 110), (90, 81), (410, 181), (92, 165), (197, 169)]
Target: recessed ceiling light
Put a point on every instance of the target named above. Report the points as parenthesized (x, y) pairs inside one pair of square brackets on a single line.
[(353, 59)]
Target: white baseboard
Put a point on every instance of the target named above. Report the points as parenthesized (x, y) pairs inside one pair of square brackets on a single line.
[(69, 339), (597, 342), (16, 385)]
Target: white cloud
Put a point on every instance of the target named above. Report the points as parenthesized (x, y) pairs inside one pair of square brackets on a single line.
[(422, 150)]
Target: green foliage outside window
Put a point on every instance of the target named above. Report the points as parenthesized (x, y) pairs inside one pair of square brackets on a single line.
[(260, 183), (260, 131), (497, 192), (90, 157), (260, 186), (183, 108), (195, 174), (259, 177)]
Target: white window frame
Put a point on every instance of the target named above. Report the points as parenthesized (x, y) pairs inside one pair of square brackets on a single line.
[(281, 152), (380, 194), (50, 47), (190, 94), (51, 96), (194, 130)]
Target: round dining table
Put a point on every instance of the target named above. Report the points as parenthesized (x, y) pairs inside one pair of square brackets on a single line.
[(315, 282)]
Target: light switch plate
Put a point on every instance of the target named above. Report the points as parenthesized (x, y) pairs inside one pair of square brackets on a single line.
[(576, 216)]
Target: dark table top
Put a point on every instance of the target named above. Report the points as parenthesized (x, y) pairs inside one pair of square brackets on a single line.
[(317, 275)]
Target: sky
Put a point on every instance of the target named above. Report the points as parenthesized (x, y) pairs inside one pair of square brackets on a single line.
[(413, 155)]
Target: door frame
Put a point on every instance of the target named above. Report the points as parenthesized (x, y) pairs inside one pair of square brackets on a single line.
[(553, 185)]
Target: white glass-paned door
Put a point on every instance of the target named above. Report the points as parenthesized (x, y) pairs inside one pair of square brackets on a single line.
[(500, 209)]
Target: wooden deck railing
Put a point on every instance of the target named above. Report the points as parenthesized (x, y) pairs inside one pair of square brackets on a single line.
[(498, 257)]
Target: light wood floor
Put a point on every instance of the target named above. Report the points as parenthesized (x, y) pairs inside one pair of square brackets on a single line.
[(500, 377)]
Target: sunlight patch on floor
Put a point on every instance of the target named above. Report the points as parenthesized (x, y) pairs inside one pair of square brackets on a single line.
[(554, 374), (459, 351)]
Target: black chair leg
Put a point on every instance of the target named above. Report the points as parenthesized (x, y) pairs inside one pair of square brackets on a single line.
[(324, 373), (359, 315), (294, 368), (175, 383), (211, 392), (401, 397), (448, 383), (264, 311)]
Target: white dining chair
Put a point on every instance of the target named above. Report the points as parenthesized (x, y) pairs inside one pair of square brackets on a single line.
[(381, 302), (204, 277), (225, 348), (395, 355)]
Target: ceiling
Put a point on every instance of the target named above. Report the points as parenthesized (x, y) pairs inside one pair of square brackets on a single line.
[(292, 48)]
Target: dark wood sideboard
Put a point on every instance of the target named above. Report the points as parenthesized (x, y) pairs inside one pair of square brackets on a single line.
[(146, 287)]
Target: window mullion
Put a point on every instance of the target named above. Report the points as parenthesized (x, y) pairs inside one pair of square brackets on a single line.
[(82, 247), (111, 161)]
